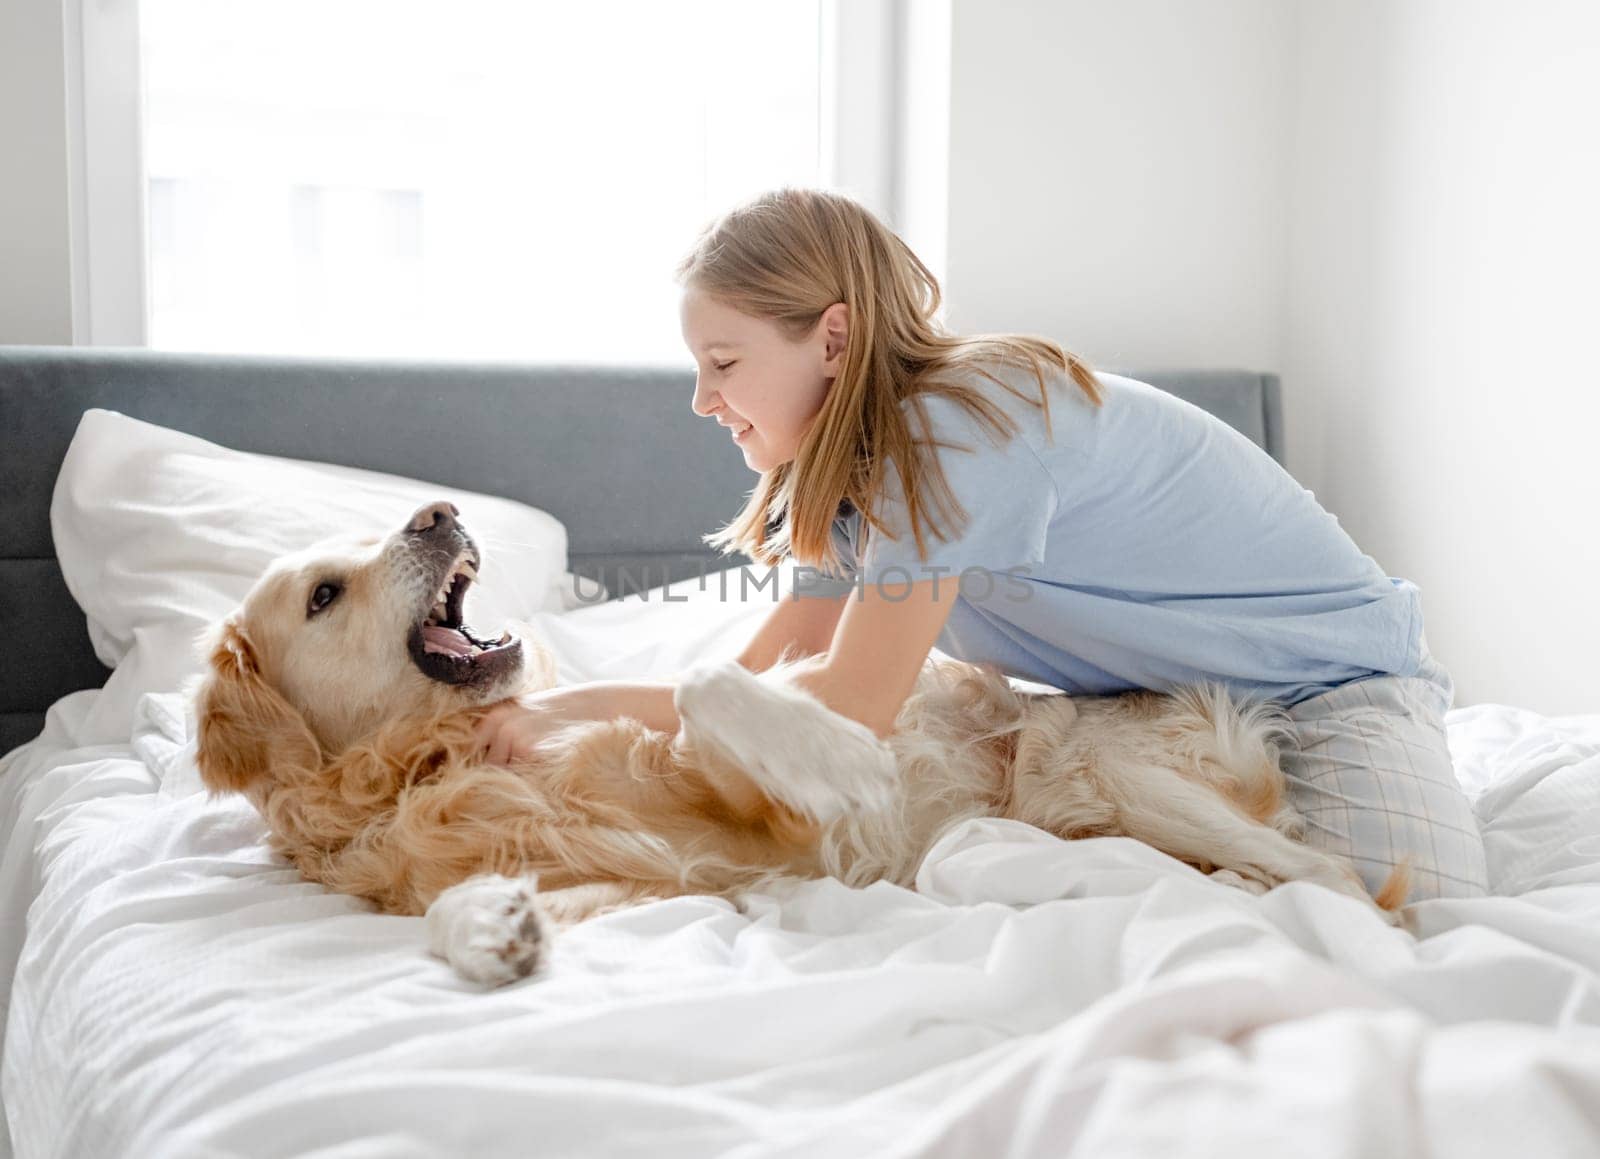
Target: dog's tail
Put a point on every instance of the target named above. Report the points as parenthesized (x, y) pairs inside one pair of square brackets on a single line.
[(1250, 738), (1245, 740), (1391, 896)]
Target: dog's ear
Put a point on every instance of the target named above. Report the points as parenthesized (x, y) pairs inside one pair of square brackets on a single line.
[(245, 727)]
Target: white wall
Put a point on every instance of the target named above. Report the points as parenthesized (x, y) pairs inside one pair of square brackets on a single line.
[(1441, 306), (1391, 203), (1117, 176), (35, 258)]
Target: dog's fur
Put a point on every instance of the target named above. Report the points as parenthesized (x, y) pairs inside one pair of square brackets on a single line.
[(357, 747)]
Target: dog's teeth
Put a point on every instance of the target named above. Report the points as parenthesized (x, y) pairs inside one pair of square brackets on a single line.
[(466, 569)]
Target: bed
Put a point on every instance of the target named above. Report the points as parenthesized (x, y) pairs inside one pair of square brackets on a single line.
[(172, 989)]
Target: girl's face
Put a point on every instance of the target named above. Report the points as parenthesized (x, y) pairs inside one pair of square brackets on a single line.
[(765, 387)]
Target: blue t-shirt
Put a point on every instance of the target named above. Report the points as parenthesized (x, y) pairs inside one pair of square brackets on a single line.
[(1149, 544)]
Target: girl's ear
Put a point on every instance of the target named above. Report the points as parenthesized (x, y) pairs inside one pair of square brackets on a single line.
[(835, 324), (246, 729)]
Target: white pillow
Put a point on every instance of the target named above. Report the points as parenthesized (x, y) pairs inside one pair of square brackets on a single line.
[(160, 533)]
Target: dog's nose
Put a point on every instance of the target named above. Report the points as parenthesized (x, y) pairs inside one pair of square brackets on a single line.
[(432, 516)]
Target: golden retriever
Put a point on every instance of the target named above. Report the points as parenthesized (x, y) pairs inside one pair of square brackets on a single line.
[(342, 695)]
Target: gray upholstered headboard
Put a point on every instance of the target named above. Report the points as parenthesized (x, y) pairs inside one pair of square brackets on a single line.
[(588, 444)]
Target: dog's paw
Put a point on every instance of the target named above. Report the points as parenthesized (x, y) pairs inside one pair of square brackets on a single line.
[(796, 748), (1339, 875), (1239, 881), (490, 928), (1290, 822)]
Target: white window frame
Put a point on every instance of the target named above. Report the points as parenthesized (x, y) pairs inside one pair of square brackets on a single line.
[(860, 64), (886, 114), (863, 109), (105, 173)]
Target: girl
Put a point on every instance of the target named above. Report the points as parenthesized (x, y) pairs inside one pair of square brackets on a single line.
[(994, 496)]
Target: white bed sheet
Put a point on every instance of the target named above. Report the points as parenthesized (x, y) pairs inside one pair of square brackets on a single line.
[(180, 992)]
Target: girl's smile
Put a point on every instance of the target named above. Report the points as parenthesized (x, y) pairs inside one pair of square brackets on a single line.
[(755, 379)]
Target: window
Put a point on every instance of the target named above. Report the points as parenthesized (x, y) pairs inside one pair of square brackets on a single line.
[(483, 179)]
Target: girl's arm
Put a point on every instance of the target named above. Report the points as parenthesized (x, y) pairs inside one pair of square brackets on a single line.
[(512, 730), (804, 625), (878, 645)]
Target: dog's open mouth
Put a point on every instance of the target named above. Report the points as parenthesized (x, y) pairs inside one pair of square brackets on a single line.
[(445, 648)]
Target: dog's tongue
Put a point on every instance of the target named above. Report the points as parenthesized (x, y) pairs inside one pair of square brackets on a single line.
[(436, 638)]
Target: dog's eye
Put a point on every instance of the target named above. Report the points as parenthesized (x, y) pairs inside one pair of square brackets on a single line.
[(324, 595)]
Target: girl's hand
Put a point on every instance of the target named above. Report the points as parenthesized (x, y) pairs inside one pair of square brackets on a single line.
[(511, 731)]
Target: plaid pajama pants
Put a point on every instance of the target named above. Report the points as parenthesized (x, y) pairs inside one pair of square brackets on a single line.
[(1371, 774)]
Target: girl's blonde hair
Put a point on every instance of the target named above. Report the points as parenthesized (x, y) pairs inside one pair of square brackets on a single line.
[(786, 256)]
